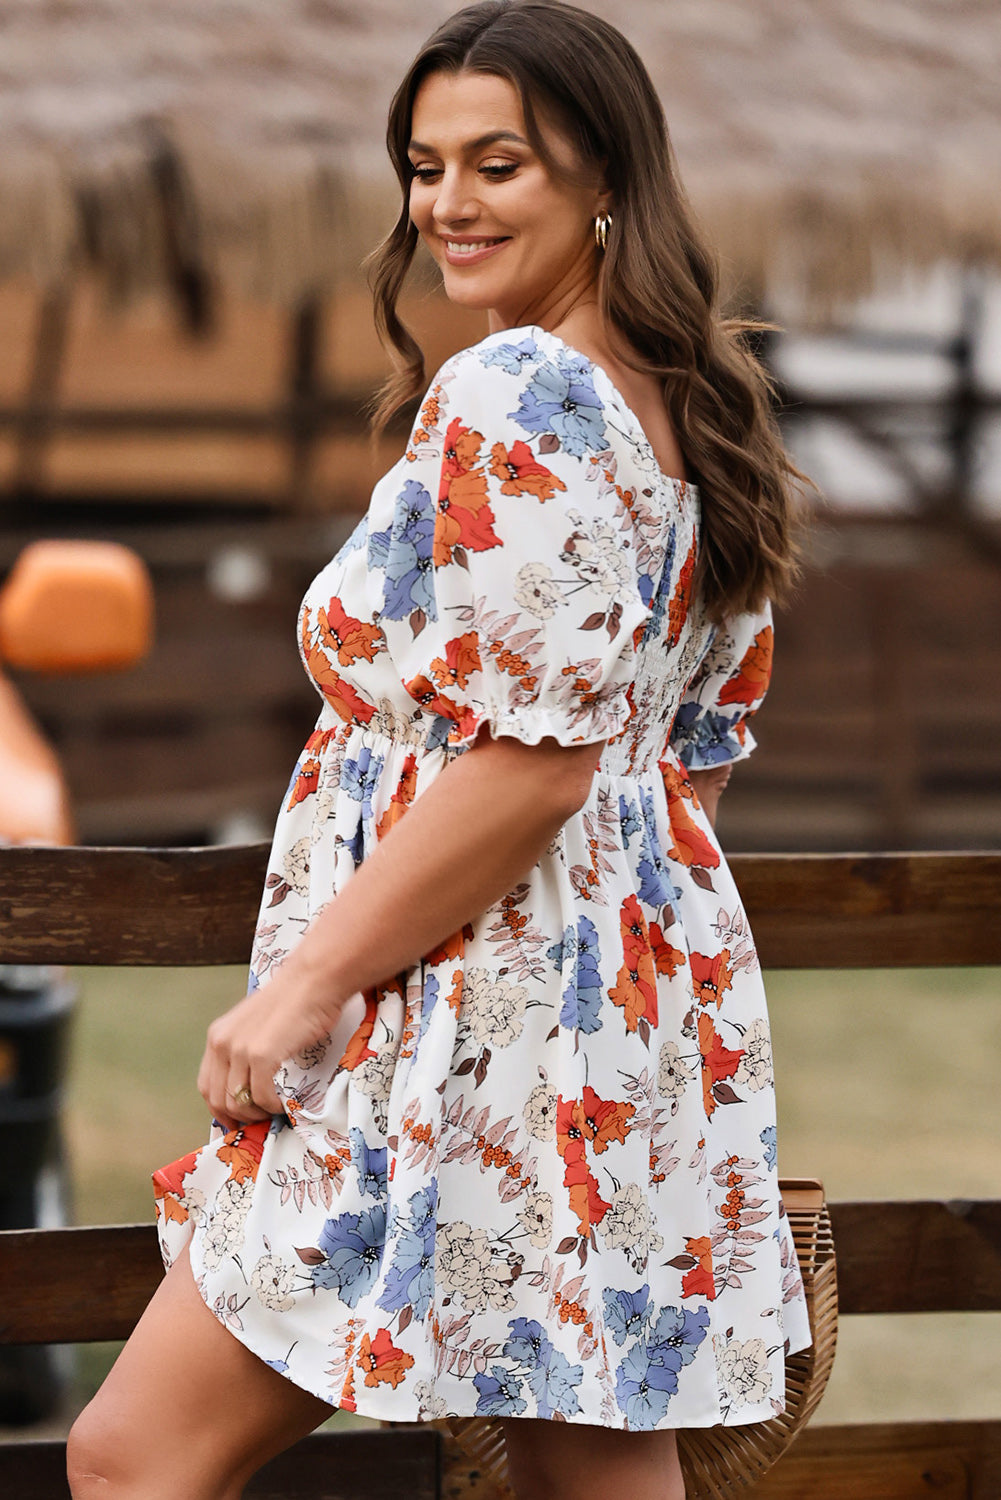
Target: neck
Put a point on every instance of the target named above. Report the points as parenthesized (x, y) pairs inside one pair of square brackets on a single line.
[(574, 304)]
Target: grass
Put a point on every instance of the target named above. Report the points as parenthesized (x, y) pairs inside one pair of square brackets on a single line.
[(887, 1089)]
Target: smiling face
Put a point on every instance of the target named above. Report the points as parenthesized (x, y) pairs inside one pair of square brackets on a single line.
[(509, 236)]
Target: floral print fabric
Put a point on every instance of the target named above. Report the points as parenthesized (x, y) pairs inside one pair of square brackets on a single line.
[(536, 1174)]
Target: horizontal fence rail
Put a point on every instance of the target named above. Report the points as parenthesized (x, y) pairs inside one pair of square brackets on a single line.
[(892, 1258), (198, 906)]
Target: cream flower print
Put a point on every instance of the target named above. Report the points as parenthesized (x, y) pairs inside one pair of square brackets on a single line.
[(537, 1218), (295, 866), (743, 1372), (594, 550), (755, 1070), (194, 1201), (465, 1266), (432, 1407), (673, 1073), (273, 1281), (374, 1077), (225, 1231), (539, 1112), (536, 590), (628, 1224), (492, 1009)]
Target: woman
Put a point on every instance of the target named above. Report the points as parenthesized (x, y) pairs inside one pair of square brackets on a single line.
[(497, 1128)]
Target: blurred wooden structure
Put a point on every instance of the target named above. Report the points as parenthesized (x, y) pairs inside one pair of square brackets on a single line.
[(822, 143), (880, 731), (219, 198), (199, 906)]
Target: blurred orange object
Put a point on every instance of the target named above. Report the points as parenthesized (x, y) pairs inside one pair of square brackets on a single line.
[(76, 607)]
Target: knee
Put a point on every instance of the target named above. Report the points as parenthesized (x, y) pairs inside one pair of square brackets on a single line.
[(93, 1455)]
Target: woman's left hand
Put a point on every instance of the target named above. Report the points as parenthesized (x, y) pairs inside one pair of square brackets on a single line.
[(247, 1045)]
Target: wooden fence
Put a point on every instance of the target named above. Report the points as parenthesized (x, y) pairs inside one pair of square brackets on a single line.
[(177, 906)]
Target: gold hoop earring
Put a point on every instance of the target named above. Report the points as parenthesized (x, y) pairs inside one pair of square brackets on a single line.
[(602, 224)]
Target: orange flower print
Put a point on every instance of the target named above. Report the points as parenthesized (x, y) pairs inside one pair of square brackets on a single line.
[(168, 1187), (579, 1121), (750, 683), (462, 656), (343, 698), (522, 473), (347, 638), (242, 1150), (712, 976), (306, 781), (635, 991), (307, 775), (677, 610), (718, 1062), (584, 1197), (357, 1049), (452, 948), (667, 958), (454, 998), (699, 1281), (427, 695), (406, 789), (691, 846), (382, 1361), (464, 518)]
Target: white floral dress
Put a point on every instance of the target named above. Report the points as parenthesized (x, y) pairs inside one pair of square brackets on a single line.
[(535, 1175)]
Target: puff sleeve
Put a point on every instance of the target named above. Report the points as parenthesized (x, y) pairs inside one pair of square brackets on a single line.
[(510, 593), (711, 726)]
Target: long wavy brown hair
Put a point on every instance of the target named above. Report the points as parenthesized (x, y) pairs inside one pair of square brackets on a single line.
[(658, 283)]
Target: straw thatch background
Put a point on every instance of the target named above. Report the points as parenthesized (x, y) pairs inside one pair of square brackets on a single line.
[(824, 142)]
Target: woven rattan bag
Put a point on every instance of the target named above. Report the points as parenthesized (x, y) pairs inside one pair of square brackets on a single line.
[(720, 1462)]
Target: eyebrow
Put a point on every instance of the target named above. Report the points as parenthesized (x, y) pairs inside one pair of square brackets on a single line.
[(477, 145)]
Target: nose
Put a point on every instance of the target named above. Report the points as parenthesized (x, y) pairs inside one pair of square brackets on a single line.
[(455, 202)]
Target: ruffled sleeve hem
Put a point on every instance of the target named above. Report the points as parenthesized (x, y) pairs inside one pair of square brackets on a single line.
[(533, 722)]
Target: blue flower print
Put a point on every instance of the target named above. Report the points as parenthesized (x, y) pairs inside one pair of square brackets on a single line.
[(549, 1375), (370, 1164), (561, 398), (352, 1247), (768, 1139), (281, 1365), (580, 960), (644, 1386), (678, 1333), (629, 818), (526, 1341), (653, 628), (428, 1002), (406, 555), (553, 1382), (356, 541), (627, 1314), (409, 1281), (704, 738), (511, 357), (555, 951), (500, 1394), (648, 1376), (656, 888), (359, 778)]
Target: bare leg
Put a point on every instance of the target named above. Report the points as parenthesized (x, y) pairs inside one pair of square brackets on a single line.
[(186, 1411), (562, 1461)]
